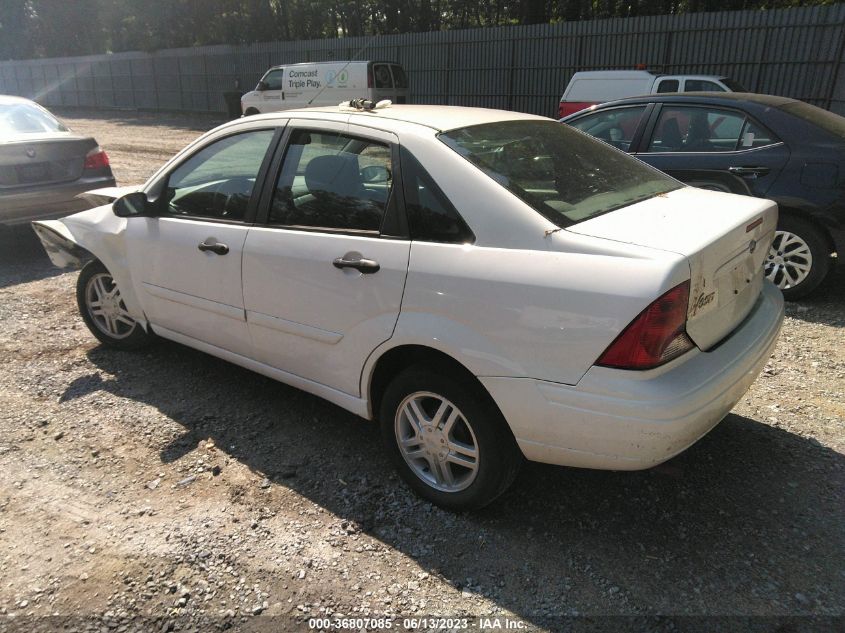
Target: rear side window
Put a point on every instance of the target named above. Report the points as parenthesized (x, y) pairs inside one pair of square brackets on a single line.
[(332, 181), (400, 79), (700, 85), (561, 173), (381, 73), (431, 217), (700, 129)]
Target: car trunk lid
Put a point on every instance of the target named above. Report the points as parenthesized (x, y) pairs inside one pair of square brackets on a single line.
[(40, 160), (725, 239)]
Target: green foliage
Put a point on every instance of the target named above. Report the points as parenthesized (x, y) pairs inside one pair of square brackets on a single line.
[(57, 28)]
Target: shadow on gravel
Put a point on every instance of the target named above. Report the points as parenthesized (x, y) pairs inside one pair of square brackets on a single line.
[(748, 521), (22, 258)]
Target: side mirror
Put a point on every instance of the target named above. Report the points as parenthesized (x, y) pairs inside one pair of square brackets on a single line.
[(375, 173), (262, 86), (133, 205)]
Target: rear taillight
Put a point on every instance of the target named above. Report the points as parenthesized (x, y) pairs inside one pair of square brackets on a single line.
[(96, 159), (655, 337)]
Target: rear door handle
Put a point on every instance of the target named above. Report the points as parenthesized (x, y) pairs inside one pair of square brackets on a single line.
[(365, 266), (215, 247), (751, 172)]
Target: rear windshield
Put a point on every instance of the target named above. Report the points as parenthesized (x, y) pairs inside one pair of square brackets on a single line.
[(25, 118), (562, 173), (828, 121)]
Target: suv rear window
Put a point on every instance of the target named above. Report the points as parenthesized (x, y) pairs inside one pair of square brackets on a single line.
[(561, 173), (828, 121)]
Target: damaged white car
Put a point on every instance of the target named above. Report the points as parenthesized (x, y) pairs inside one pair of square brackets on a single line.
[(489, 286)]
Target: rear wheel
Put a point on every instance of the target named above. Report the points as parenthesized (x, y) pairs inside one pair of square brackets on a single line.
[(103, 310), (448, 442), (250, 112), (798, 258)]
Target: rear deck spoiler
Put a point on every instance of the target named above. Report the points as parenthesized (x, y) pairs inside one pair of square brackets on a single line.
[(106, 195)]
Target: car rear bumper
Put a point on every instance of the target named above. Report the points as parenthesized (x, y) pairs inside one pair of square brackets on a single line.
[(48, 201), (626, 420)]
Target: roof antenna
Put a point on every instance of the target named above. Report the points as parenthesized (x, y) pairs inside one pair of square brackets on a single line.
[(354, 58)]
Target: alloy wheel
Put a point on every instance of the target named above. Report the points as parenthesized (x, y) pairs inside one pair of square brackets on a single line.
[(789, 261), (436, 441), (106, 307)]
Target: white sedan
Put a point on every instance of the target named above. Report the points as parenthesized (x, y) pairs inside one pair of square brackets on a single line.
[(489, 286)]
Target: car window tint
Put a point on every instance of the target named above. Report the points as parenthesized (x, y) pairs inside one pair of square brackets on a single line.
[(616, 126), (382, 76), (668, 85), (273, 79), (693, 129), (700, 85), (217, 181), (333, 181), (561, 173), (431, 217)]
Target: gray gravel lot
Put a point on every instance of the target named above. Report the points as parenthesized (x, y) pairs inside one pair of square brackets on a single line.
[(169, 484)]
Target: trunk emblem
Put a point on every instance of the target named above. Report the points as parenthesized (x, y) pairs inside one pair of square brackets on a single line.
[(30, 152), (752, 246)]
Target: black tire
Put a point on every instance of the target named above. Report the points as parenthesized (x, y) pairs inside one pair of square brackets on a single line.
[(819, 259), (498, 456), (251, 111), (126, 337)]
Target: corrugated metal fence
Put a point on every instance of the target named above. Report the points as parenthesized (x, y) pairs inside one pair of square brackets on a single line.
[(793, 52)]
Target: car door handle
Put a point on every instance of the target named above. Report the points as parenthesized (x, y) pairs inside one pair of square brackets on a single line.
[(753, 172), (215, 247), (365, 266)]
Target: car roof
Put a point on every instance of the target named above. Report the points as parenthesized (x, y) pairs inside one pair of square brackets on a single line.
[(725, 98), (440, 118)]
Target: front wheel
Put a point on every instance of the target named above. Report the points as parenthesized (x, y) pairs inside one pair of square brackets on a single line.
[(103, 310), (447, 440), (798, 259)]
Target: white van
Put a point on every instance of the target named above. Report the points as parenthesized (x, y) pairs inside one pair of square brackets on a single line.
[(325, 84), (599, 86)]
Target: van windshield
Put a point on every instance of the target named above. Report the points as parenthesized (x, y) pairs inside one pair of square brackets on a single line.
[(562, 173)]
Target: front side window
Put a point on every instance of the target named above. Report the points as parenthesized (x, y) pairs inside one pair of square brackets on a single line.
[(273, 79), (217, 181), (616, 126), (564, 175), (695, 129), (668, 85), (332, 181)]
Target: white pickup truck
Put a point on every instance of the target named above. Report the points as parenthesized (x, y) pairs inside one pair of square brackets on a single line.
[(599, 86)]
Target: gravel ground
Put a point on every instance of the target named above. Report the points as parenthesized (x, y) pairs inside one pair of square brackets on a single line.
[(168, 484)]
